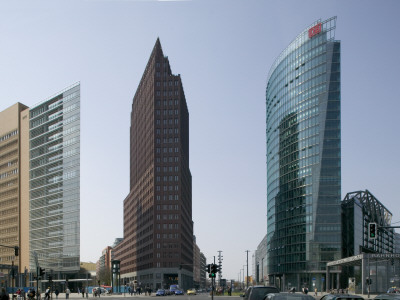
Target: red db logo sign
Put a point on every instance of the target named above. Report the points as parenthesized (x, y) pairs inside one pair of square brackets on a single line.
[(314, 30)]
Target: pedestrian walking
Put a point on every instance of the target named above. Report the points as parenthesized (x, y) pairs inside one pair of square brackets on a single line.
[(31, 294), (57, 292), (47, 294)]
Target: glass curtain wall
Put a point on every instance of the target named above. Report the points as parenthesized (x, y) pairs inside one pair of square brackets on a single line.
[(303, 159), (55, 183)]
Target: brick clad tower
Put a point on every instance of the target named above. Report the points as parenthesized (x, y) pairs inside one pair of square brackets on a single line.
[(157, 249)]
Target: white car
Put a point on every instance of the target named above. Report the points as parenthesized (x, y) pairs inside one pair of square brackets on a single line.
[(102, 290)]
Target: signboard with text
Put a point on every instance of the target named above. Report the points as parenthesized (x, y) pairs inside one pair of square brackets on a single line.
[(314, 30)]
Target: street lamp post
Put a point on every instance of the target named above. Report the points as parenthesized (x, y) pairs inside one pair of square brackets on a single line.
[(240, 279), (12, 278), (247, 265), (242, 282)]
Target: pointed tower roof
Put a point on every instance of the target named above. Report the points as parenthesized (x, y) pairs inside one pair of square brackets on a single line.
[(158, 43), (157, 49)]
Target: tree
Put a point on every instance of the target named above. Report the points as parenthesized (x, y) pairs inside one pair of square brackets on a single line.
[(104, 276)]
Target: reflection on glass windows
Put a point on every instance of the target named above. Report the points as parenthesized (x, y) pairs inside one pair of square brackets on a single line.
[(303, 157)]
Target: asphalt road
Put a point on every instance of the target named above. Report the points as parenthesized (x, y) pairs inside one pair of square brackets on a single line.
[(204, 296)]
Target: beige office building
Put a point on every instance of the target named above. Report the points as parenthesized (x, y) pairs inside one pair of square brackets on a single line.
[(14, 186)]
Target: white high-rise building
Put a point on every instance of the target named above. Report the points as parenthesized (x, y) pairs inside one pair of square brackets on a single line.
[(54, 190)]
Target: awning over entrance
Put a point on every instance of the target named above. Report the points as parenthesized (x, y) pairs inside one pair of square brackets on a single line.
[(381, 270)]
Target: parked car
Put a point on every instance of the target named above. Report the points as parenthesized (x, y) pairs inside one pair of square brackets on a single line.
[(100, 289), (160, 292), (179, 292), (341, 297), (191, 292), (288, 296), (173, 288), (393, 290), (258, 292)]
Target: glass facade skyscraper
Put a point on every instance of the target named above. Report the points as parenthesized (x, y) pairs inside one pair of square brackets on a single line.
[(54, 190), (303, 159)]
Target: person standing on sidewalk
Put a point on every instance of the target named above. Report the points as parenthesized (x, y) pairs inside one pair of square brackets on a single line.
[(67, 292)]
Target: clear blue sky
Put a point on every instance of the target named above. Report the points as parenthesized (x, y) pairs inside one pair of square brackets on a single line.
[(223, 51)]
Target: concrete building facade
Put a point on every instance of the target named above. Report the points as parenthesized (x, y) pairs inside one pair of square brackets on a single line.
[(203, 273), (260, 262), (196, 264), (105, 259), (14, 198)]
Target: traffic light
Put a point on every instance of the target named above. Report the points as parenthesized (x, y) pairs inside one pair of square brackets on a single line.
[(49, 278), (372, 231), (208, 268), (41, 271), (213, 271), (214, 268), (16, 250)]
